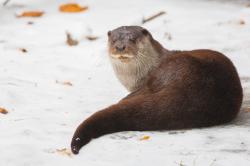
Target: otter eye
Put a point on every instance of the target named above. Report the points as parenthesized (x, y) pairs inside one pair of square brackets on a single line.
[(113, 41), (132, 40)]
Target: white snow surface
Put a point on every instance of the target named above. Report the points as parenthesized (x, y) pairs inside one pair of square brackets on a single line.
[(43, 114)]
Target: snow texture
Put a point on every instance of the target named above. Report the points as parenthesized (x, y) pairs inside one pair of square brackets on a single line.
[(43, 113)]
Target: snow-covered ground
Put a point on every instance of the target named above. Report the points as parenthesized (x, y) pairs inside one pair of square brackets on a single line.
[(43, 112)]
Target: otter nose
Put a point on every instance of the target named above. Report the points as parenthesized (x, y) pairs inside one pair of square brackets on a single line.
[(120, 48)]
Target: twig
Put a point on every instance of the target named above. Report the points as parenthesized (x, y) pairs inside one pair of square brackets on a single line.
[(70, 41), (91, 38), (144, 20), (6, 2)]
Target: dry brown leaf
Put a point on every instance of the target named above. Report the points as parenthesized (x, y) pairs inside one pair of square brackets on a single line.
[(242, 22), (72, 8), (30, 22), (92, 38), (3, 111), (67, 83), (146, 137), (31, 14), (64, 152), (23, 50), (70, 41)]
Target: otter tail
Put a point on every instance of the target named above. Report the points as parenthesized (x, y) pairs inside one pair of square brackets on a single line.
[(128, 115), (134, 113)]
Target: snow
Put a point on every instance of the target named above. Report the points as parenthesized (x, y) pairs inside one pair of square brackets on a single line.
[(44, 114)]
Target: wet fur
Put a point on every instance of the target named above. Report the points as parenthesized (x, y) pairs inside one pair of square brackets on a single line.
[(186, 89)]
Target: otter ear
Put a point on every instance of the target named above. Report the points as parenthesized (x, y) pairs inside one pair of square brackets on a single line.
[(109, 33), (145, 32)]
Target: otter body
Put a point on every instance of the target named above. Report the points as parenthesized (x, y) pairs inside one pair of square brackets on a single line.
[(169, 89)]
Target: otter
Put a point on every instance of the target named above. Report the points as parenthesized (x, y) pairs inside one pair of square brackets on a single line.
[(169, 90)]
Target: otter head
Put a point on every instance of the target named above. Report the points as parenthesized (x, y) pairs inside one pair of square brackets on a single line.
[(127, 42), (133, 53)]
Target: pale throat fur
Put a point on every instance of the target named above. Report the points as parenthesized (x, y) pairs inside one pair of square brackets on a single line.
[(132, 72)]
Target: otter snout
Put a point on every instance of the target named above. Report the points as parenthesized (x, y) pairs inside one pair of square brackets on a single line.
[(120, 51), (120, 48)]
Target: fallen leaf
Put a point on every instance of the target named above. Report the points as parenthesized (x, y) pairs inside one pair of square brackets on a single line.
[(67, 83), (23, 50), (242, 22), (146, 137), (30, 22), (91, 38), (31, 14), (70, 41), (72, 8), (3, 111), (64, 152)]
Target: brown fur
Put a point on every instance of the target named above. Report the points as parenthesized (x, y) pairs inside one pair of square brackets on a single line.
[(187, 89)]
